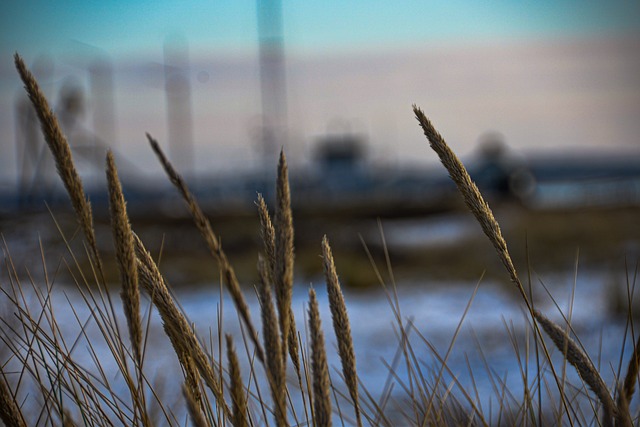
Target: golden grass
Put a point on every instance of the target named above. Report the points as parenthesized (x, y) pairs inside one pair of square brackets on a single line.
[(130, 294), (471, 195), (193, 406), (216, 394), (274, 274), (341, 327), (276, 370), (10, 412), (238, 396), (284, 256), (62, 155), (213, 244), (571, 351), (126, 255), (319, 366), (176, 326), (268, 234), (576, 357), (628, 386)]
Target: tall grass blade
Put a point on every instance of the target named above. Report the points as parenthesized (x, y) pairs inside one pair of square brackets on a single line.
[(10, 413), (275, 364), (341, 327), (185, 344), (472, 197), (284, 252), (193, 406), (126, 256), (238, 396), (319, 366), (204, 226), (480, 209), (62, 154), (268, 234), (581, 362), (629, 384)]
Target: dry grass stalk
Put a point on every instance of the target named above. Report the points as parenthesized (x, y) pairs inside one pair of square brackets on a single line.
[(580, 361), (268, 234), (204, 226), (62, 154), (238, 396), (10, 413), (275, 365), (629, 384), (341, 326), (269, 241), (319, 366), (126, 256), (192, 377), (476, 203), (67, 419), (284, 254), (193, 406), (623, 414), (631, 378), (472, 197), (292, 341), (176, 326)]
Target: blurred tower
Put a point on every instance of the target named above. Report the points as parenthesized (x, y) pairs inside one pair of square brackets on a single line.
[(178, 95), (272, 79)]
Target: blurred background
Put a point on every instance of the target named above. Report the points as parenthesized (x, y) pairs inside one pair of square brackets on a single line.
[(540, 99), (223, 84)]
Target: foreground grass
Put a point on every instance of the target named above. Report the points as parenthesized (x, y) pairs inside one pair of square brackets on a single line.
[(44, 382)]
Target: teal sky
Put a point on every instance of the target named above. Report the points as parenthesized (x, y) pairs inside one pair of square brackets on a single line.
[(131, 27)]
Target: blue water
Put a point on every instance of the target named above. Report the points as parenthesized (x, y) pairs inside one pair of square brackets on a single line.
[(487, 348), (492, 320)]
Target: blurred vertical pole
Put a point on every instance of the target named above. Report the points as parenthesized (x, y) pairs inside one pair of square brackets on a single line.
[(103, 107), (102, 96), (178, 95), (272, 79)]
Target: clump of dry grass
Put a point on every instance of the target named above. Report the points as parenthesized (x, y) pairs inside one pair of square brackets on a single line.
[(215, 394), (176, 326), (571, 351), (213, 244), (274, 270)]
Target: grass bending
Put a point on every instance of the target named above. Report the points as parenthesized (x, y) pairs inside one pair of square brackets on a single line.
[(42, 382), (479, 207)]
